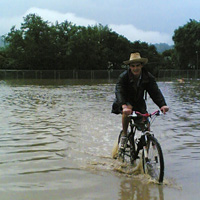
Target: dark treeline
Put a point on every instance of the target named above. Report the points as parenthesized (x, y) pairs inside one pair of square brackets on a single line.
[(40, 45)]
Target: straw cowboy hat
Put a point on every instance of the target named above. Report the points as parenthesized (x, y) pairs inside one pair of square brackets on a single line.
[(134, 58)]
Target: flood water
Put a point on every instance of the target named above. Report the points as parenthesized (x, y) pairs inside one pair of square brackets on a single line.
[(56, 139)]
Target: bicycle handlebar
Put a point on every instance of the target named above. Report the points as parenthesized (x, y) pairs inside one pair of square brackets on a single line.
[(136, 113)]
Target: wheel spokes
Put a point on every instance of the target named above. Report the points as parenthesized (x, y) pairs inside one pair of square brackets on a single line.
[(153, 165)]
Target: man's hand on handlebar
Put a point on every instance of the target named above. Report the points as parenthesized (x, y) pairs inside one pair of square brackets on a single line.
[(164, 109)]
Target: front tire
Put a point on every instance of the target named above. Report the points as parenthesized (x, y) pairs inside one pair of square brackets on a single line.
[(154, 164)]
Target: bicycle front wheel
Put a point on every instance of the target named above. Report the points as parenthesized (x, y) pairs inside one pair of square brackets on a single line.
[(153, 162)]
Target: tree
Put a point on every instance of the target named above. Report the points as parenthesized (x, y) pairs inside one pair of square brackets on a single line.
[(169, 60), (15, 49), (85, 48), (63, 43), (40, 45), (187, 44), (96, 46), (27, 48), (2, 58)]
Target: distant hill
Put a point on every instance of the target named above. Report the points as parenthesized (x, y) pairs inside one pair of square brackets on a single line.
[(163, 47)]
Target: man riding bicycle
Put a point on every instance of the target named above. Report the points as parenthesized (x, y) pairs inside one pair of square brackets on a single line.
[(130, 90)]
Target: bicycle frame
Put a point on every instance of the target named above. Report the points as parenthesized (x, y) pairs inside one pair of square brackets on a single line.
[(145, 131), (152, 156)]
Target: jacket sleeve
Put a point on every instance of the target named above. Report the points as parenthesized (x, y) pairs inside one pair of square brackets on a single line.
[(155, 93), (120, 89)]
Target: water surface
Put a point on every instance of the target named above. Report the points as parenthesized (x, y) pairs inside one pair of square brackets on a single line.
[(57, 137)]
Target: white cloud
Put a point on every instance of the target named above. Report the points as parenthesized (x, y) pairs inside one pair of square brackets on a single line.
[(129, 30), (7, 23), (49, 15), (53, 16), (133, 34)]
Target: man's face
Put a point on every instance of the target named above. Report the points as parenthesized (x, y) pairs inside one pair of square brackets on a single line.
[(136, 69)]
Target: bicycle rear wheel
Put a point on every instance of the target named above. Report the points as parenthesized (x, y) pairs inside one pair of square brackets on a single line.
[(154, 163)]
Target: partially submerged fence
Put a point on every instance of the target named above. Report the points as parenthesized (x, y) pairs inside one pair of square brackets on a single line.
[(59, 74), (164, 75), (170, 75)]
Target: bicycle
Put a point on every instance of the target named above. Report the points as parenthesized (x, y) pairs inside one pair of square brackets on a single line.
[(152, 156)]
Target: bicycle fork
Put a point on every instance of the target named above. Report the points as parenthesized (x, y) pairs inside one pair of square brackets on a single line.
[(145, 148)]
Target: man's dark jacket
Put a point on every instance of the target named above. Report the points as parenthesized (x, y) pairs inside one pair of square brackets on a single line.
[(127, 92)]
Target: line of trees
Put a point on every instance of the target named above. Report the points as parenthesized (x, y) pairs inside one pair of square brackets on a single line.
[(40, 45)]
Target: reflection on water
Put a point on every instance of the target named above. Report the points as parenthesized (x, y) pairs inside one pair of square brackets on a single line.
[(137, 190), (57, 136)]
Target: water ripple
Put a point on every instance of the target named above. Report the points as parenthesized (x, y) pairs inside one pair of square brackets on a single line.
[(55, 129)]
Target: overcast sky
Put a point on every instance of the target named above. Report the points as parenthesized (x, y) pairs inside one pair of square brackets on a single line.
[(152, 21)]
